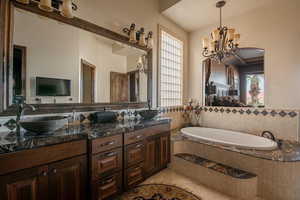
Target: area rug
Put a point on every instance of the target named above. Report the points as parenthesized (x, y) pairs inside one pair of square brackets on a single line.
[(158, 192)]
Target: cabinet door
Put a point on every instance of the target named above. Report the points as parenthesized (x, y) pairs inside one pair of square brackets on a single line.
[(29, 184), (67, 179), (151, 159), (164, 150)]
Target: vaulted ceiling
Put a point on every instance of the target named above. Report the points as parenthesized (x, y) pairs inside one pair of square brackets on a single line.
[(195, 14)]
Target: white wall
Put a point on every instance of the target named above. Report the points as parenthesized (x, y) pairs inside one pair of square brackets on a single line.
[(274, 28), (98, 52), (48, 51)]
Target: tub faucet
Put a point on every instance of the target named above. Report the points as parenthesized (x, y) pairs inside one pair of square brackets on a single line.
[(269, 135)]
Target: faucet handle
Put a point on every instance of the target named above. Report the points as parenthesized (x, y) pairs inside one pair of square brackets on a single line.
[(18, 99)]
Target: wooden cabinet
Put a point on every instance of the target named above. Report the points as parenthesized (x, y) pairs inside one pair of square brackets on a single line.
[(58, 181), (151, 161), (67, 179), (30, 184), (107, 187), (164, 150), (134, 176), (106, 163), (134, 154), (157, 154)]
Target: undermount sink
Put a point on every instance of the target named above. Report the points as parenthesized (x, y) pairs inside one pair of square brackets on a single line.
[(43, 124)]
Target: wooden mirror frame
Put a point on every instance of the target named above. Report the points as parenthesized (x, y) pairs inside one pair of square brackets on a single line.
[(6, 57)]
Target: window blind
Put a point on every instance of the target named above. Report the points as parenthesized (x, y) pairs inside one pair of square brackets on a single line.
[(171, 62)]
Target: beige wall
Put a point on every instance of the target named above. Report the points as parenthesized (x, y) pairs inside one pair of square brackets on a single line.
[(56, 50), (116, 14), (274, 28)]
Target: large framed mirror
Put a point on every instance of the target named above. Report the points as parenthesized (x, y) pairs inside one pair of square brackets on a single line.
[(73, 62), (237, 81)]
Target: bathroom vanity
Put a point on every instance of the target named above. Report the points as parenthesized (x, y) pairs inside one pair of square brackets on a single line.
[(101, 160)]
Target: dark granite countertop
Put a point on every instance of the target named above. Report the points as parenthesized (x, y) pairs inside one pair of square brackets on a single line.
[(287, 151), (10, 142)]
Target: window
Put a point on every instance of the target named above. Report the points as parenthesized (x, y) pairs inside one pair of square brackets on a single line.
[(170, 71)]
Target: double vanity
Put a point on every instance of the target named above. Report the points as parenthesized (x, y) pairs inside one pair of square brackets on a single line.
[(87, 161)]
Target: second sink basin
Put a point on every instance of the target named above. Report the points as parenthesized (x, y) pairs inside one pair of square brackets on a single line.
[(42, 125)]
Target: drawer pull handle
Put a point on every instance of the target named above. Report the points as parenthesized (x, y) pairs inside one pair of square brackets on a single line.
[(54, 171), (44, 173), (138, 146), (111, 154), (108, 143), (138, 137), (108, 181)]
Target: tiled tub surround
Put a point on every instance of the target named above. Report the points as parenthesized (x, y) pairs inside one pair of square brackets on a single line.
[(276, 180), (284, 124), (10, 142)]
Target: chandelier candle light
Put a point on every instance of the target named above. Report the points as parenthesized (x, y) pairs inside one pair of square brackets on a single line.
[(223, 42)]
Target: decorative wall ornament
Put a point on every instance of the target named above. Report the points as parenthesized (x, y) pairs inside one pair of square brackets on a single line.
[(131, 32), (224, 41), (139, 36), (65, 7), (142, 37)]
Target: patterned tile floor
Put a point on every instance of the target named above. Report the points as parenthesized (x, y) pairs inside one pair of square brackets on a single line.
[(168, 176)]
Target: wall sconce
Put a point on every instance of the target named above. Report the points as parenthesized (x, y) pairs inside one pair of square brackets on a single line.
[(142, 37), (46, 5), (150, 40), (142, 64), (67, 9), (23, 1)]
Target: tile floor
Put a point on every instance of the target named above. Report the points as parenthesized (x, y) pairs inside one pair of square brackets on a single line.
[(168, 176)]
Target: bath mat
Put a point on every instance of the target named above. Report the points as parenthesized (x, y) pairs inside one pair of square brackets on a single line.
[(158, 192)]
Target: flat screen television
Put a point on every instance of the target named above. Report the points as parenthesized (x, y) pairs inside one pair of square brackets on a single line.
[(52, 87)]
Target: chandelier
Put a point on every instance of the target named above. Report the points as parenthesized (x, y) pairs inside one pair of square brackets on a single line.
[(223, 41)]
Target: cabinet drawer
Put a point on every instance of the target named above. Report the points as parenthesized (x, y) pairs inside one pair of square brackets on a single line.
[(134, 154), (134, 176), (107, 187), (107, 143), (134, 137), (106, 162)]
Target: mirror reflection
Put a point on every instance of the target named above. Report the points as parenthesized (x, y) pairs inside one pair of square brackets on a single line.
[(59, 63), (236, 82)]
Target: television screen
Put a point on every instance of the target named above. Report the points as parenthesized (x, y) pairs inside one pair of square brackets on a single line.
[(52, 87)]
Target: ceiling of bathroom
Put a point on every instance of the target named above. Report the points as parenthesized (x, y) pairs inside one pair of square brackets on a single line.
[(195, 14)]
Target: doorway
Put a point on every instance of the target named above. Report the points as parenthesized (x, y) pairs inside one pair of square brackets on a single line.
[(19, 70), (87, 82)]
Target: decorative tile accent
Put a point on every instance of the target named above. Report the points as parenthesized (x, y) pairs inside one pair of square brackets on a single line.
[(216, 110), (273, 113), (234, 111), (292, 114), (10, 124), (264, 113), (256, 112), (241, 111), (228, 110), (282, 113), (248, 112)]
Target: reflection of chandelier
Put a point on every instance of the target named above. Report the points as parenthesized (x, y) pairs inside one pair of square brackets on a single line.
[(223, 40)]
